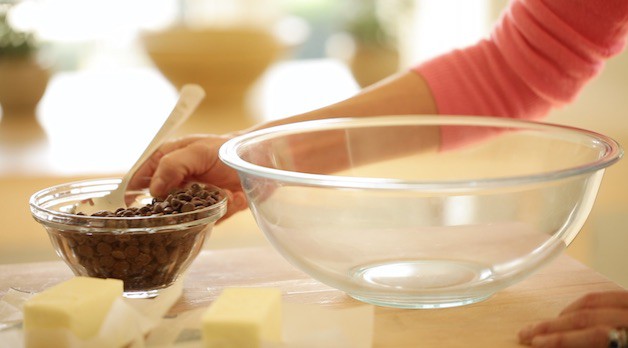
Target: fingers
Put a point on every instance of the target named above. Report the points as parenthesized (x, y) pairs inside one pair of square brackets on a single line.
[(142, 176), (606, 317), (584, 323), (615, 299), (178, 166), (236, 201), (593, 337)]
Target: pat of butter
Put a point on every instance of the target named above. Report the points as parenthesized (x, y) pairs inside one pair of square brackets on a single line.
[(79, 305), (243, 318)]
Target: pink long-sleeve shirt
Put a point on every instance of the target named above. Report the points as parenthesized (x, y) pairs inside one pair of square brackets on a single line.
[(539, 56)]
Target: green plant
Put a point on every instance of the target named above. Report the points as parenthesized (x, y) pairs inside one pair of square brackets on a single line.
[(374, 22), (363, 23), (12, 41)]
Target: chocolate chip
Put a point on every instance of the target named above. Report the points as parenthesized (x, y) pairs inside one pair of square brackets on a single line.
[(107, 261), (85, 250), (118, 254), (184, 197), (131, 251), (187, 207), (103, 248)]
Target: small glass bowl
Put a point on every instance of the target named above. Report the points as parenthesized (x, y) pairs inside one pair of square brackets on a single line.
[(148, 253)]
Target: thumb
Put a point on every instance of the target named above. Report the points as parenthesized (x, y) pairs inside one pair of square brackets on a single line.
[(169, 174)]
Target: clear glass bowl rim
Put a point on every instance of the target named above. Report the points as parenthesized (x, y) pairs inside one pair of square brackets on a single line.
[(47, 216), (229, 152)]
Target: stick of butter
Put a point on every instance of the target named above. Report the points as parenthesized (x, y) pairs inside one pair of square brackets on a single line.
[(243, 318), (79, 305)]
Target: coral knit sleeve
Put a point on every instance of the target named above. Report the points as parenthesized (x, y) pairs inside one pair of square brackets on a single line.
[(539, 55)]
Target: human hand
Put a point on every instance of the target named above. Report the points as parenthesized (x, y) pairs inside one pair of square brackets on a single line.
[(190, 159), (595, 320)]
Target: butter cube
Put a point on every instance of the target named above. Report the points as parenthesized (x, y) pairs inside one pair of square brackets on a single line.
[(243, 318), (79, 305)]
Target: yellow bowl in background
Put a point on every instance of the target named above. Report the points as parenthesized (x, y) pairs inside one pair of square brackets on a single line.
[(224, 61)]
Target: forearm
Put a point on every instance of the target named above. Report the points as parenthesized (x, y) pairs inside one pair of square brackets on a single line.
[(405, 93)]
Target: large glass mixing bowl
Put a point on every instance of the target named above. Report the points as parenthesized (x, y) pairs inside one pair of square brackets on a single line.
[(420, 211)]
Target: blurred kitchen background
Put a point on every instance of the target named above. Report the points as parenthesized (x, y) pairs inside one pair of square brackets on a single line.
[(85, 84)]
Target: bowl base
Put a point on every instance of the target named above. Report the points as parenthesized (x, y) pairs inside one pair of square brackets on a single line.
[(141, 294), (421, 283), (419, 302)]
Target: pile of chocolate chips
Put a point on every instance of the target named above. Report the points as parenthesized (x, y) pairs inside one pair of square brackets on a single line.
[(181, 201), (142, 260)]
